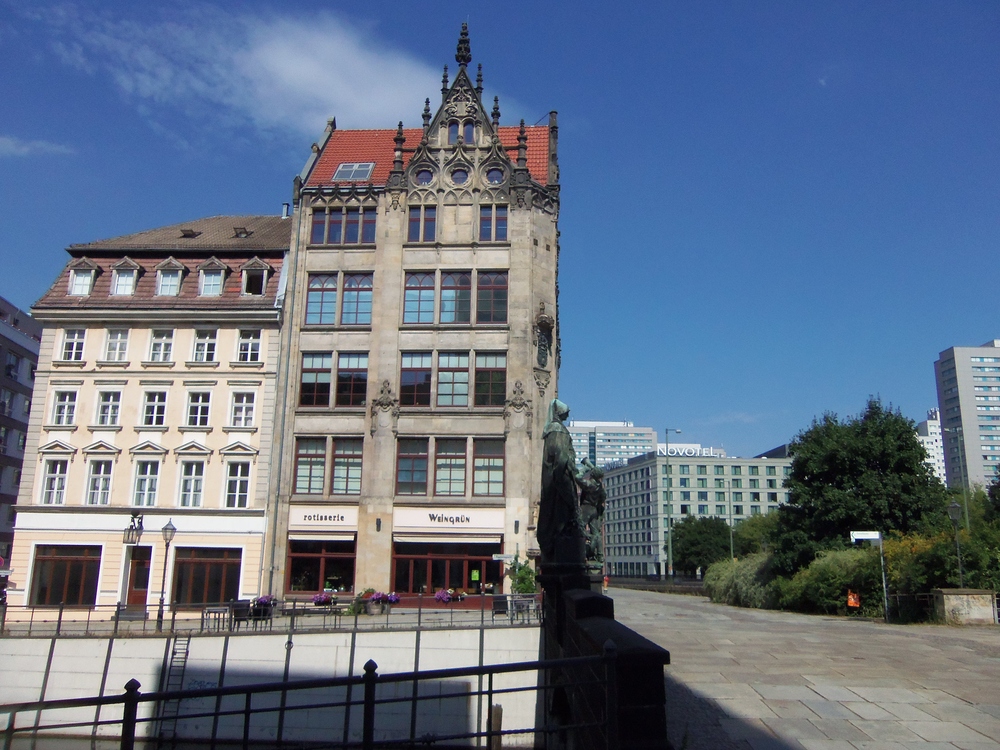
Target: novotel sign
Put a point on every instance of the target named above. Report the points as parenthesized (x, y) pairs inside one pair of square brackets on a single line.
[(687, 451)]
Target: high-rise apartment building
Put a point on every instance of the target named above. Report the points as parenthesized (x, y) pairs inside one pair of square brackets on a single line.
[(610, 442), (420, 350), (930, 437), (968, 387), (20, 337)]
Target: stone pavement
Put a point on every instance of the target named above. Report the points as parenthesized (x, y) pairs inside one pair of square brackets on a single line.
[(742, 679)]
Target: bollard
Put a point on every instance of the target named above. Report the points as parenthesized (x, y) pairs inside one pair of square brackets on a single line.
[(129, 711), (368, 722)]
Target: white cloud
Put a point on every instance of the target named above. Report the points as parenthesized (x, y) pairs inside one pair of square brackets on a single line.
[(10, 146), (280, 73)]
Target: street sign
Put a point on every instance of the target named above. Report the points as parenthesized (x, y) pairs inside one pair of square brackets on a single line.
[(865, 536), (504, 558)]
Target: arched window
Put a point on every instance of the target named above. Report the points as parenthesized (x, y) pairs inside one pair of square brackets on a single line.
[(468, 129), (452, 132)]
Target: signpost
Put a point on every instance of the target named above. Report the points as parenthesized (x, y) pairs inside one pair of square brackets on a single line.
[(503, 558), (875, 539)]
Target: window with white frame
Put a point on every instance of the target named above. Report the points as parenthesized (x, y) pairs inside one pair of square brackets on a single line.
[(54, 482), (249, 346), (147, 475), (453, 379), (198, 408), (108, 407), (204, 345), (64, 408), (347, 455), (211, 283), (418, 298), (123, 282), (237, 484), (117, 345), (161, 345), (81, 281), (242, 413), (73, 339), (168, 282), (449, 466), (154, 408), (192, 483), (488, 461), (99, 483)]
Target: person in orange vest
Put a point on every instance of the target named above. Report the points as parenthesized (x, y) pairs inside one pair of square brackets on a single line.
[(606, 581)]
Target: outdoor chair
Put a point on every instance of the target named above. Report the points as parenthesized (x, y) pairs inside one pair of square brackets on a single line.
[(240, 610), (500, 606)]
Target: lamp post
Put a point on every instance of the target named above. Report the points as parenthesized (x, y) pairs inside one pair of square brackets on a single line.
[(168, 536), (729, 503), (963, 469), (955, 514), (670, 502)]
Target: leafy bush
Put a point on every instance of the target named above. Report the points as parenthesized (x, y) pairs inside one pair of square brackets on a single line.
[(822, 586), (522, 577), (747, 582)]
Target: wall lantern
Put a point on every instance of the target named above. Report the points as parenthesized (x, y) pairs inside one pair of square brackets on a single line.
[(133, 532)]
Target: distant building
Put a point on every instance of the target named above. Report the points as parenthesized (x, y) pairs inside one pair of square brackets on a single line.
[(610, 442), (929, 435), (20, 337), (649, 493), (968, 387)]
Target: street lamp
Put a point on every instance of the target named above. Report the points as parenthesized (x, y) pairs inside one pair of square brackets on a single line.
[(963, 469), (670, 502), (955, 514), (729, 502), (168, 536)]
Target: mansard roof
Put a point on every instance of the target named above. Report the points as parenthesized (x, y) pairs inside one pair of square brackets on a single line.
[(378, 146), (212, 233)]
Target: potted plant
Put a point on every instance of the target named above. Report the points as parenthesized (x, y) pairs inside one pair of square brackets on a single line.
[(266, 600), (381, 603), (322, 599), (443, 596)]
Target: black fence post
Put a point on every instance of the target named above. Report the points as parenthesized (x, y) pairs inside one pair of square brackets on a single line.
[(8, 735), (118, 618), (62, 605), (368, 723), (129, 711)]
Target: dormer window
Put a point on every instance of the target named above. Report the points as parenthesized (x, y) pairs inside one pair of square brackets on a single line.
[(81, 282), (353, 171), (211, 283), (241, 233), (123, 283), (253, 282), (168, 283)]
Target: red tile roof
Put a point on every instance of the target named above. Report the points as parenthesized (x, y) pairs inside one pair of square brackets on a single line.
[(379, 146)]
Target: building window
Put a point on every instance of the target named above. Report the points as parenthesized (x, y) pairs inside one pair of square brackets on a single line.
[(73, 344), (493, 223), (736, 470), (204, 346), (411, 466), (249, 346), (720, 497), (491, 304), (487, 467), (771, 471), (64, 408), (13, 366), (117, 345), (238, 484), (754, 510), (123, 282), (321, 565), (242, 413), (754, 471), (321, 300), (168, 283), (702, 482), (352, 379), (491, 379), (422, 224), (415, 379), (6, 402), (198, 407), (161, 346), (456, 297), (737, 510), (192, 483), (154, 408), (772, 497), (254, 282), (347, 466), (65, 575), (702, 510), (754, 484), (108, 405), (449, 467), (211, 283), (685, 509), (99, 483), (418, 300), (81, 282), (310, 466), (205, 575), (315, 385), (353, 172), (720, 510), (54, 482), (343, 226), (357, 307), (453, 379), (147, 474), (737, 483)]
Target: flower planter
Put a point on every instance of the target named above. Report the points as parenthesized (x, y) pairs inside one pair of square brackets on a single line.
[(377, 608)]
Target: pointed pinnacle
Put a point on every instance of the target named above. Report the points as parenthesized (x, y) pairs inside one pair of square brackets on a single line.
[(463, 55)]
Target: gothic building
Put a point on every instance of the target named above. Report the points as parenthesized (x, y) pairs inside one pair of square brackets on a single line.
[(419, 351)]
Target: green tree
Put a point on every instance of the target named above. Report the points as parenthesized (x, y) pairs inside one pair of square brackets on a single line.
[(863, 473), (699, 542), (756, 534), (522, 576)]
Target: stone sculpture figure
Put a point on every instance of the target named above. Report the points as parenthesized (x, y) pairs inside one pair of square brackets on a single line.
[(592, 499), (559, 532)]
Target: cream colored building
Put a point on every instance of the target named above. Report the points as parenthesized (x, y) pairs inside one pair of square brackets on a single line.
[(420, 351), (153, 403)]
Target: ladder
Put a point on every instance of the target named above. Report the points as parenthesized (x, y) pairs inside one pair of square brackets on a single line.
[(174, 682)]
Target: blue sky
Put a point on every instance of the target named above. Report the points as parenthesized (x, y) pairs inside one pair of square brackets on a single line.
[(770, 210)]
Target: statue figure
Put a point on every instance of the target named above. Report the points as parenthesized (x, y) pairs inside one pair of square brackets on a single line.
[(560, 533), (592, 498)]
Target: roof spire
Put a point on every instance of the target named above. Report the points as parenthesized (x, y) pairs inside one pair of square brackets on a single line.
[(427, 115), (479, 80), (444, 84), (397, 162), (522, 148), (496, 112), (463, 55)]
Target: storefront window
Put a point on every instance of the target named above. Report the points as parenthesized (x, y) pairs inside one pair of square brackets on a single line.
[(427, 567), (65, 575), (206, 575), (315, 566)]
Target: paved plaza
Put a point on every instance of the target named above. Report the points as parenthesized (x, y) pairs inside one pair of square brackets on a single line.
[(742, 678)]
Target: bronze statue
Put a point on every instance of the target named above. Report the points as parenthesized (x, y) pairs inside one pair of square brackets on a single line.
[(560, 532), (592, 498)]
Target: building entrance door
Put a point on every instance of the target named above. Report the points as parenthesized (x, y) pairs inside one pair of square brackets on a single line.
[(138, 578)]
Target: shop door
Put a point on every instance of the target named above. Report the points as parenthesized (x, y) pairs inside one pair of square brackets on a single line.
[(138, 577)]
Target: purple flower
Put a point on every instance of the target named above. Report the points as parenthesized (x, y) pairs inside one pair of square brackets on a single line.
[(265, 601), (443, 596), (322, 598), (392, 598)]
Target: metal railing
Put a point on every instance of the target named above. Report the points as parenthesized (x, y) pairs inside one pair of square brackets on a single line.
[(416, 611), (445, 706)]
